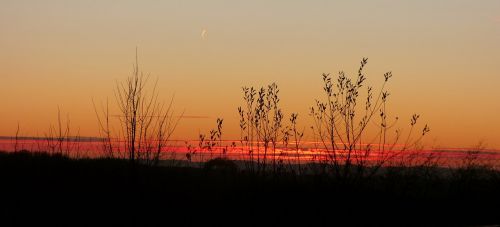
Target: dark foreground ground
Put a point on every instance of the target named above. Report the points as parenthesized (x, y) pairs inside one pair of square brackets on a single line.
[(39, 189)]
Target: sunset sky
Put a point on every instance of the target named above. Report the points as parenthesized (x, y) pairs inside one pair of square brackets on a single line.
[(444, 55)]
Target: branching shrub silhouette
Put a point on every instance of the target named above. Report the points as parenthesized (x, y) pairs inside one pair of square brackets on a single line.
[(60, 140), (341, 125), (262, 119), (297, 136), (105, 132), (213, 142), (146, 122), (247, 131)]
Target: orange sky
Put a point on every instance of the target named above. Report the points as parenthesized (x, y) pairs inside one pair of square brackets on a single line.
[(444, 56)]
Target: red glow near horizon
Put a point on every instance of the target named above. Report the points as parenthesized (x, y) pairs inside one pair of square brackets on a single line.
[(310, 152)]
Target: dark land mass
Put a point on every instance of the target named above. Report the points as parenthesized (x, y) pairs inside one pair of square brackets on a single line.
[(42, 189)]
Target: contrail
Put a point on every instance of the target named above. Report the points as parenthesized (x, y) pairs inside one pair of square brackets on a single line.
[(203, 33)]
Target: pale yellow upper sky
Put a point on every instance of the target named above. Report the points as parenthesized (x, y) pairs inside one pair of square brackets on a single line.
[(445, 57)]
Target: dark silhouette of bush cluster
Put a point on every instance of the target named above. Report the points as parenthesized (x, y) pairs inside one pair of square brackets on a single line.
[(39, 188), (221, 164)]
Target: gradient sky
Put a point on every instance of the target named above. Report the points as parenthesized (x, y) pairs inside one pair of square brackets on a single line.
[(444, 55)]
